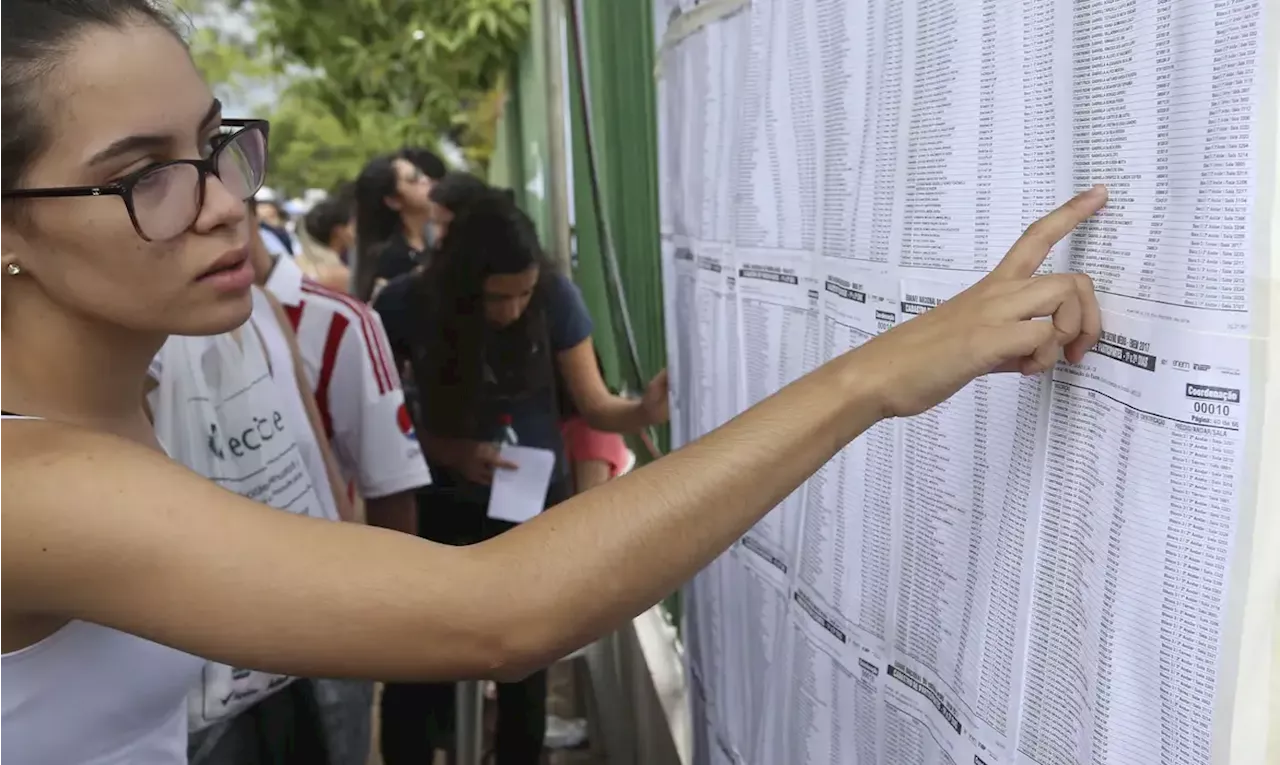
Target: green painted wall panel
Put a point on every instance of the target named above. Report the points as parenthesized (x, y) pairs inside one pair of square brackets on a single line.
[(589, 272), (620, 58), (619, 48)]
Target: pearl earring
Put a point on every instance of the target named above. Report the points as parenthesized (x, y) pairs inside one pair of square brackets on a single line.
[(13, 269)]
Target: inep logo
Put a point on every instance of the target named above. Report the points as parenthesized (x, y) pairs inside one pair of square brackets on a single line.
[(405, 422)]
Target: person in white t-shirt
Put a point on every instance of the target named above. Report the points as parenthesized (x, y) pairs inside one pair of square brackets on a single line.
[(238, 740), (283, 353), (304, 416), (291, 392), (347, 360)]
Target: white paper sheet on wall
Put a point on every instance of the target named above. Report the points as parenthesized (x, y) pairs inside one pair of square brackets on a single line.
[(1041, 569), (779, 321), (1144, 467)]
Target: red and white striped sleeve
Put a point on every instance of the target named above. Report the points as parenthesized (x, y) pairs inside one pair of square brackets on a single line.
[(358, 392)]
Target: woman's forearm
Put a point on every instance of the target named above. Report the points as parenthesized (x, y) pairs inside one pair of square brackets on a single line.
[(591, 563), (616, 414)]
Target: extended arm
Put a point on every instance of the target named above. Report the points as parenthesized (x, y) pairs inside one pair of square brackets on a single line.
[(312, 598), (598, 405)]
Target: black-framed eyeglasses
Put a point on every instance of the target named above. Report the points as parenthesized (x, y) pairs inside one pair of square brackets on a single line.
[(165, 199)]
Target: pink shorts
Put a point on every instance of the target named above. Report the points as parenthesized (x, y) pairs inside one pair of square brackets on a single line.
[(582, 444)]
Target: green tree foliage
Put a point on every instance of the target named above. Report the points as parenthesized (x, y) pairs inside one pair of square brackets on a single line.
[(426, 68), (311, 148), (344, 80), (226, 52)]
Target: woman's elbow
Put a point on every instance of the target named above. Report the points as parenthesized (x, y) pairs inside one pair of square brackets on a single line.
[(482, 654), (598, 422), (527, 645), (512, 673), (518, 632), (524, 650), (500, 660), (508, 648)]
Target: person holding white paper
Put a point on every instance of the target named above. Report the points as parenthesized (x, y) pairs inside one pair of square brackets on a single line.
[(518, 492), (493, 335), (123, 223)]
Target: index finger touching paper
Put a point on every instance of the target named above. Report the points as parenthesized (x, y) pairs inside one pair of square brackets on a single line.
[(1033, 246)]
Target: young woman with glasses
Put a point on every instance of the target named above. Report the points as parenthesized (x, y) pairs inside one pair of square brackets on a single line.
[(123, 222)]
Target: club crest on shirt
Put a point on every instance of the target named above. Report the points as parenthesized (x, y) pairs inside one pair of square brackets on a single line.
[(405, 422)]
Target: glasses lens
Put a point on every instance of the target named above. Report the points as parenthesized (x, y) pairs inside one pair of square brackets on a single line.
[(166, 200), (242, 162)]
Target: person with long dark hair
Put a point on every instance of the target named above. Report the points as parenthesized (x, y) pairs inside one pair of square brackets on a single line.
[(392, 215), (448, 196), (492, 333), (124, 222)]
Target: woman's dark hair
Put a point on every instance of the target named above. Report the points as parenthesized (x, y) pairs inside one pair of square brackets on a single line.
[(457, 190), (324, 218), (489, 236), (375, 222), (35, 36), (426, 160)]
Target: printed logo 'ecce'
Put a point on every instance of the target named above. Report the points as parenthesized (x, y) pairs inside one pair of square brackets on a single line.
[(250, 439)]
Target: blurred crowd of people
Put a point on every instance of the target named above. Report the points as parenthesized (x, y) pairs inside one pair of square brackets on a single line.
[(425, 326)]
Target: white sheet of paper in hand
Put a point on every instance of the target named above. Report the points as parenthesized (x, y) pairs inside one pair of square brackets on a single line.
[(518, 495)]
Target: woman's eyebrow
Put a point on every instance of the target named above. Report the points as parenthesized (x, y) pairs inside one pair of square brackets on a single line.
[(138, 143)]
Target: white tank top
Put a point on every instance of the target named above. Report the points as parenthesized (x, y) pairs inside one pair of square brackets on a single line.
[(90, 695)]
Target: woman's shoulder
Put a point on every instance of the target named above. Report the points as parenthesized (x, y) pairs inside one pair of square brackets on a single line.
[(63, 479), (27, 437), (565, 297), (63, 455), (394, 258), (404, 305), (570, 320), (561, 286), (38, 450)]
